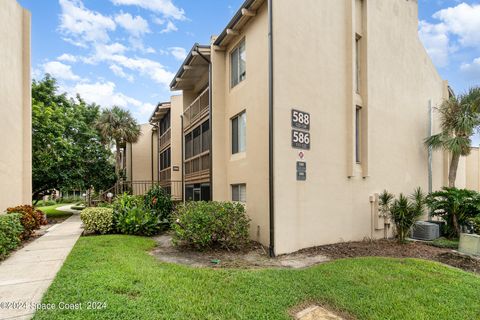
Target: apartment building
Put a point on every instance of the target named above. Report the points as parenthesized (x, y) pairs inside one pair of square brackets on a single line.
[(472, 172), (15, 106), (306, 111)]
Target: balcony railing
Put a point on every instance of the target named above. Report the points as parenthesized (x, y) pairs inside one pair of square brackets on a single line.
[(197, 109), (165, 176), (165, 139), (173, 188), (198, 167)]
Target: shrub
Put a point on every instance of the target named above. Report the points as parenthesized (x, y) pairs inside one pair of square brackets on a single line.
[(455, 206), (138, 221), (10, 231), (206, 225), (404, 211), (160, 203), (475, 224), (98, 220), (31, 219), (131, 216)]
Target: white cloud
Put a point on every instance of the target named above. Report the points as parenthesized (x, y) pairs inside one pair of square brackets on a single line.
[(472, 69), (462, 21), (436, 42), (178, 53), (153, 69), (61, 71), (67, 58), (459, 26), (118, 71), (164, 7), (82, 24), (106, 95), (170, 27), (136, 26)]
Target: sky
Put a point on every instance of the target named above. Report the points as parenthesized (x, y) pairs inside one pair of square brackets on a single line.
[(126, 52)]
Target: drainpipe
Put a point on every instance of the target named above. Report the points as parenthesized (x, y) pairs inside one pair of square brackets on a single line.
[(210, 116), (270, 129), (430, 171), (183, 160)]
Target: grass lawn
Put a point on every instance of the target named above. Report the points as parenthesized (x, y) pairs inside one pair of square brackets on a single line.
[(119, 271), (445, 243), (53, 213)]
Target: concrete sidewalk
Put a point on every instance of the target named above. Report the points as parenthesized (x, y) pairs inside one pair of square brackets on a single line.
[(26, 275)]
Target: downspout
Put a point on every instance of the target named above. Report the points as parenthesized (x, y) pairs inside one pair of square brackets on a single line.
[(430, 151), (183, 160), (210, 116), (151, 140), (270, 133)]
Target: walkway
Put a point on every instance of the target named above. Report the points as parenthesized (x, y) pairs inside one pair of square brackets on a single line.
[(26, 275)]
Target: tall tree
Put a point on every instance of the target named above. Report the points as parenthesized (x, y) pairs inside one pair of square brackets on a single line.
[(459, 117), (117, 126), (67, 150)]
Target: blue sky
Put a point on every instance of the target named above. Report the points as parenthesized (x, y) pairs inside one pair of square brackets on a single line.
[(125, 52)]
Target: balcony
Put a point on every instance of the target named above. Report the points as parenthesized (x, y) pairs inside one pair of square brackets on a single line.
[(197, 169), (165, 176), (164, 140), (197, 109)]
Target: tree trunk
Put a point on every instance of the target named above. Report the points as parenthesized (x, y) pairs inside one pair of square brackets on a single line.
[(455, 225), (452, 173), (117, 159)]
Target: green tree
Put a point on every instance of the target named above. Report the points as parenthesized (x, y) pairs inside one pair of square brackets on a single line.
[(459, 117), (455, 206), (118, 127), (67, 151)]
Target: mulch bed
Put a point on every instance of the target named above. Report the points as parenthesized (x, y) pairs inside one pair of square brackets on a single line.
[(393, 249)]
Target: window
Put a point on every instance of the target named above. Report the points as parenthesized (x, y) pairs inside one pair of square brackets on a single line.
[(239, 133), (165, 160), (239, 193), (205, 136), (165, 123), (197, 192), (358, 143), (357, 62), (238, 64), (197, 141)]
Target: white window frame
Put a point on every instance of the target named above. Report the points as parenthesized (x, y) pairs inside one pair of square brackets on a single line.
[(236, 73), (240, 193)]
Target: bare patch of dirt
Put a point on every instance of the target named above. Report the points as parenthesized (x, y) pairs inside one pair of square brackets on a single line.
[(391, 248), (253, 257)]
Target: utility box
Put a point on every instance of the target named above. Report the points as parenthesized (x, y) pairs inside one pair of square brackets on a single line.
[(469, 244), (425, 231)]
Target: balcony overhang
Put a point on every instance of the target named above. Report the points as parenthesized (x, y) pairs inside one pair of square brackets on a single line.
[(193, 68), (247, 11), (160, 111)]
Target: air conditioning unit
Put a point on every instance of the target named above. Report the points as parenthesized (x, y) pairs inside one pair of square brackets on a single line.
[(425, 231)]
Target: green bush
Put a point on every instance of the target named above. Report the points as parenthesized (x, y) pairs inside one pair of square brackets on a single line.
[(131, 216), (455, 206), (207, 225), (31, 218), (138, 221), (160, 203), (98, 220), (10, 231), (404, 211), (475, 223)]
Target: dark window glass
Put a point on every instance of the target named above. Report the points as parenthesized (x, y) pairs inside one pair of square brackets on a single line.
[(205, 136), (205, 192), (235, 135), (165, 159), (188, 146), (165, 123), (196, 141), (189, 193), (239, 133)]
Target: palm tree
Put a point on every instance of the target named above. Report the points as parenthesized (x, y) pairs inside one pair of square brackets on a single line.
[(459, 117), (118, 126)]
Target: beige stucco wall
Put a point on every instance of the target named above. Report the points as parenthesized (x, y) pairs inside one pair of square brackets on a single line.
[(314, 72), (139, 165), (472, 176), (251, 95), (176, 144), (15, 106)]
